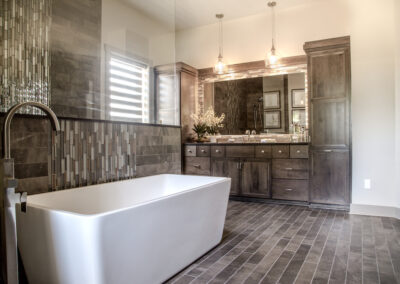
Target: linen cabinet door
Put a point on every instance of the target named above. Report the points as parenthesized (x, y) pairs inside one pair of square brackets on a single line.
[(227, 168), (255, 180), (330, 180)]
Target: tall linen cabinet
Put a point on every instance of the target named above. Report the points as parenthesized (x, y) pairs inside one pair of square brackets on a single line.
[(329, 93)]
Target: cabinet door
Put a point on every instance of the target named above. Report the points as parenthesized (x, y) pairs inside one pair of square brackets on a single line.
[(330, 176), (329, 123), (255, 180), (227, 168)]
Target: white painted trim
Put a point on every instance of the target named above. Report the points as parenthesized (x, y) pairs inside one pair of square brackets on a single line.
[(375, 210)]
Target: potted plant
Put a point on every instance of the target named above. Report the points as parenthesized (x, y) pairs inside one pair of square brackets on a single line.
[(213, 121), (199, 126), (206, 123)]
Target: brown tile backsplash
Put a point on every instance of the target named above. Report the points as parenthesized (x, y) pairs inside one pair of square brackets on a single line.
[(89, 152)]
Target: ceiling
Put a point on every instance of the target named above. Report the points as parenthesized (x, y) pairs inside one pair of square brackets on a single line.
[(194, 13)]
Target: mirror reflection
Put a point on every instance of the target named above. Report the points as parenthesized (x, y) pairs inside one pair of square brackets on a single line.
[(270, 104)]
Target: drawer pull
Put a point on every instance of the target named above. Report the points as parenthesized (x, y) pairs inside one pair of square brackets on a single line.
[(190, 151), (217, 151), (298, 151), (289, 169), (327, 151), (196, 166), (262, 151), (203, 151), (289, 189), (280, 151)]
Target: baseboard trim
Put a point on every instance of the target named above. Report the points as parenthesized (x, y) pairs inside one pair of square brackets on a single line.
[(375, 210)]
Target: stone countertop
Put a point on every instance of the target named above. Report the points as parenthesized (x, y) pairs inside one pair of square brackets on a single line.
[(243, 143)]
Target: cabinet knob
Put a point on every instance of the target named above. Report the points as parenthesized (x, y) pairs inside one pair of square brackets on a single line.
[(289, 189), (280, 151), (196, 166), (190, 151), (262, 151), (298, 151), (217, 151), (203, 151)]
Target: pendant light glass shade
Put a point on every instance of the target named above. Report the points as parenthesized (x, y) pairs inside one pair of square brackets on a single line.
[(220, 67), (273, 56)]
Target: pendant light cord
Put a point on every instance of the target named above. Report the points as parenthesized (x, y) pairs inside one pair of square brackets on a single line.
[(221, 35), (273, 28)]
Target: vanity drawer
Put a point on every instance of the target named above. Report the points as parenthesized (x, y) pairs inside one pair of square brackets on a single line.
[(280, 151), (290, 168), (299, 151), (197, 166), (239, 151), (290, 189), (190, 151), (218, 151), (264, 151), (203, 151)]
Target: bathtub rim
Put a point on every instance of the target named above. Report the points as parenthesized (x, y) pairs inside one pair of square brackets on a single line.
[(111, 212)]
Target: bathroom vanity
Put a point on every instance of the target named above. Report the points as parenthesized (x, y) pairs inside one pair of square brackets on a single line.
[(258, 170)]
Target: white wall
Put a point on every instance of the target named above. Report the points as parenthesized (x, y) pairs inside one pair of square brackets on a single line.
[(373, 101), (249, 38), (397, 80), (127, 29), (371, 27)]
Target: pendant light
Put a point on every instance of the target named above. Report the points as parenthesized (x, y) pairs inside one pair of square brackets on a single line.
[(220, 66), (272, 57)]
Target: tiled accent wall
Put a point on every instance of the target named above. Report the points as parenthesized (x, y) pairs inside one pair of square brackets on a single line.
[(24, 52), (90, 152), (75, 41)]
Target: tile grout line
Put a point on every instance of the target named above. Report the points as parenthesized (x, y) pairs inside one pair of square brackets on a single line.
[(249, 258), (241, 231), (265, 256), (253, 241), (319, 213), (319, 258)]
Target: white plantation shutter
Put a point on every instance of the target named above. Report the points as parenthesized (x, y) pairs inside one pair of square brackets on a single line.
[(128, 88), (168, 101)]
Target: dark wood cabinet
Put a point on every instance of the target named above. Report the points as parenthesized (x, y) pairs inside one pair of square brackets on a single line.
[(255, 178), (330, 176), (252, 168), (329, 95), (227, 168), (197, 166)]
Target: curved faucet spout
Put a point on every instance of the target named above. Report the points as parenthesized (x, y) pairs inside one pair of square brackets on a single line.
[(9, 116)]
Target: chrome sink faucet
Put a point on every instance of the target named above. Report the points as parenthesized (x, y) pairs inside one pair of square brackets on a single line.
[(9, 197)]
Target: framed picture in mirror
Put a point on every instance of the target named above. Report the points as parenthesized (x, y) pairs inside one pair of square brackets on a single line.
[(272, 119), (298, 98), (272, 100), (299, 116)]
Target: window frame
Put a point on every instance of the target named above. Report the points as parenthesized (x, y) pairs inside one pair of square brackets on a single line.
[(111, 52)]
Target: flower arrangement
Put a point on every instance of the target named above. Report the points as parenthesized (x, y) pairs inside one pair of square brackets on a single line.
[(207, 122)]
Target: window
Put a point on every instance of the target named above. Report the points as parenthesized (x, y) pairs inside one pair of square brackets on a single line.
[(127, 88)]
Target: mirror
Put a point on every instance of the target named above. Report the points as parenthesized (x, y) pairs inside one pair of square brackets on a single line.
[(269, 104), (96, 60)]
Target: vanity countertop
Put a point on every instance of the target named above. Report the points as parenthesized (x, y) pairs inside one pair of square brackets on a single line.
[(244, 143)]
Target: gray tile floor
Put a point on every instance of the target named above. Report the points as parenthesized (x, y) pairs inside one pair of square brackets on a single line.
[(266, 243)]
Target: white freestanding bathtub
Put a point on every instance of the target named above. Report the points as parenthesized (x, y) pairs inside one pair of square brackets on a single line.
[(143, 230)]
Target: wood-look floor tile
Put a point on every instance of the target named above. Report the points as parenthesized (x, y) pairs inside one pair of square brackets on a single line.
[(265, 243)]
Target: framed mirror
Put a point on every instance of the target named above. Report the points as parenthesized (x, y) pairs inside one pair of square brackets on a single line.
[(267, 103)]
